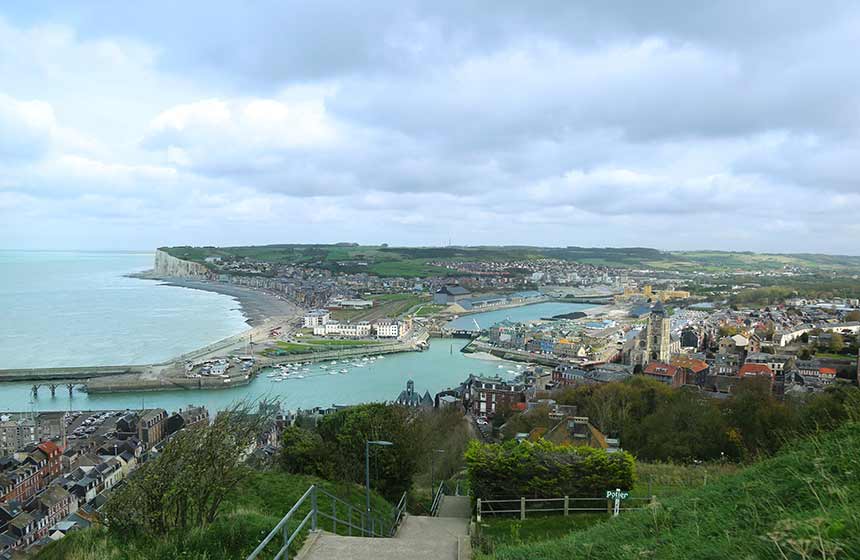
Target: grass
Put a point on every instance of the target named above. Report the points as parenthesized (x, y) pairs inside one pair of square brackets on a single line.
[(669, 479), (499, 532), (800, 504), (385, 305), (429, 309), (247, 516), (320, 342), (829, 355)]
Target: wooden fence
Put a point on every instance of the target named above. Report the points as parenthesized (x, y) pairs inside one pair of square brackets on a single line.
[(565, 504)]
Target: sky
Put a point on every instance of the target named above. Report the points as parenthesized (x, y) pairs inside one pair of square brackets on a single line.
[(728, 125)]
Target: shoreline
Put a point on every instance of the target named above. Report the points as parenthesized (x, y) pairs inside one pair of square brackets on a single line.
[(257, 306)]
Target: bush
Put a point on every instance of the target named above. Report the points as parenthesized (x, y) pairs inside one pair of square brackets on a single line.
[(543, 470)]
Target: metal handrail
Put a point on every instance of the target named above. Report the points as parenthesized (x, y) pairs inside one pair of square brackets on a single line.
[(282, 525), (398, 514), (371, 525), (437, 499)]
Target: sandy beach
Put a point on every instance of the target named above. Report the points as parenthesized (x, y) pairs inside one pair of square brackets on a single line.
[(256, 305)]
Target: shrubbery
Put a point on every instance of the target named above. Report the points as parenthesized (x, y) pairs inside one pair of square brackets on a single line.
[(543, 469)]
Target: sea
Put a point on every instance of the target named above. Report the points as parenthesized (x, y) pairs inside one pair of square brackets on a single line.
[(81, 308)]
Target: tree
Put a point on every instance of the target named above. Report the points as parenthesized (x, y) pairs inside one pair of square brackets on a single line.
[(303, 452), (345, 432), (853, 315), (183, 486), (837, 343)]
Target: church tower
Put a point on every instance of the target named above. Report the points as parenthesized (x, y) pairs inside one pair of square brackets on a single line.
[(657, 335)]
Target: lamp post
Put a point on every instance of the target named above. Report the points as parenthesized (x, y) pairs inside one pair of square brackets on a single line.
[(367, 445), (432, 461)]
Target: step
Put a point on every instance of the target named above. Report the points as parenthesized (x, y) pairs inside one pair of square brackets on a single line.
[(419, 538), (455, 506)]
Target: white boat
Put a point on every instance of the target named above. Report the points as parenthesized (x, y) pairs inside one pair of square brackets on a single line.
[(511, 371), (332, 373), (332, 363), (501, 367), (277, 380), (323, 367), (300, 377), (344, 371)]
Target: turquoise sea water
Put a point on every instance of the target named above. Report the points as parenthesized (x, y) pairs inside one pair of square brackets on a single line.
[(77, 308)]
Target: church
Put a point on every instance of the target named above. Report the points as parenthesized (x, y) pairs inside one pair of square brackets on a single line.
[(412, 399)]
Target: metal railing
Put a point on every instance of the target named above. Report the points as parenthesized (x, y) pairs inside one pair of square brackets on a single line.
[(437, 499), (565, 504), (342, 515)]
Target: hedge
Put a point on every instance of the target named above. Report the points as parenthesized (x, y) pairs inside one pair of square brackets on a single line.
[(543, 469)]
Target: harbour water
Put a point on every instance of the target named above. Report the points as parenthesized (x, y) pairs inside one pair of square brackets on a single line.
[(149, 322), (516, 314)]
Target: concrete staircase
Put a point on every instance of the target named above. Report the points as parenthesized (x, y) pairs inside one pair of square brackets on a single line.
[(419, 538)]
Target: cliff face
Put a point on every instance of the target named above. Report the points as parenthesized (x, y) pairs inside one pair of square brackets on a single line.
[(171, 267)]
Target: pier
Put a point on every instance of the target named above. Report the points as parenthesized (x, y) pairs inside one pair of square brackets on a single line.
[(69, 385)]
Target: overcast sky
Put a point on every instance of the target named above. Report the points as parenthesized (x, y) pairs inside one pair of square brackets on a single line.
[(731, 125)]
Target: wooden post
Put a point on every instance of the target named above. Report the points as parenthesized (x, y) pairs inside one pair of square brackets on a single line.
[(566, 505), (609, 507), (479, 510), (522, 507)]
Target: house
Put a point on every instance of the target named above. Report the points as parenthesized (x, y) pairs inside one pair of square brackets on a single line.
[(315, 318), (410, 398), (776, 362), (664, 373), (152, 427), (694, 370), (487, 395), (450, 293), (392, 328), (577, 430), (189, 418), (756, 370), (361, 329)]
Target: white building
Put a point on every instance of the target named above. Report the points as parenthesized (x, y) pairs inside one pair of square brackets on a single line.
[(316, 317), (360, 329), (392, 328)]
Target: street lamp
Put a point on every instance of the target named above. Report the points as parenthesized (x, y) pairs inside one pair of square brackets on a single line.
[(433, 460), (367, 445)]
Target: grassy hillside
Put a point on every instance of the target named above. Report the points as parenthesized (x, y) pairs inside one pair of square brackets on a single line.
[(247, 516), (799, 504), (415, 261)]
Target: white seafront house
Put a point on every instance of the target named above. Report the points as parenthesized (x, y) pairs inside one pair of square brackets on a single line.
[(360, 329), (392, 328), (315, 318)]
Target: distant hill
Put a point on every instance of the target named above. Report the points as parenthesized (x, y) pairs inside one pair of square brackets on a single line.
[(802, 503), (382, 260)]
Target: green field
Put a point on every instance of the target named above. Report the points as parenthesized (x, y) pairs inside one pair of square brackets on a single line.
[(385, 306), (247, 515), (799, 504), (415, 261)]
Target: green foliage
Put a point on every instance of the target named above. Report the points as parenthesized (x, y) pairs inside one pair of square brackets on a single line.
[(183, 486), (657, 423), (543, 469), (337, 449), (799, 504), (248, 513)]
